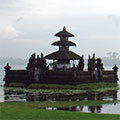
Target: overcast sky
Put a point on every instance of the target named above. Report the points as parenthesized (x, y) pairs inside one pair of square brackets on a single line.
[(28, 26)]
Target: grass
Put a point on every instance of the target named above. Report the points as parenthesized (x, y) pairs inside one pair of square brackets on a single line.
[(44, 104), (30, 111)]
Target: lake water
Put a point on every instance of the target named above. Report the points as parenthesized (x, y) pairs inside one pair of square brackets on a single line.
[(113, 108)]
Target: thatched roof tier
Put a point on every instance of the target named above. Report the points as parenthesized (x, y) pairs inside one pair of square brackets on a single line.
[(64, 33), (60, 55), (63, 43)]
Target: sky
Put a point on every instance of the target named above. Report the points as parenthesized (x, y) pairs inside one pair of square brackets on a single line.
[(28, 26)]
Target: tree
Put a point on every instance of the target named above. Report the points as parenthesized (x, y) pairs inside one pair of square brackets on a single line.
[(111, 59), (113, 55)]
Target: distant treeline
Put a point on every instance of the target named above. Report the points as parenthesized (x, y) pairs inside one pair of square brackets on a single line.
[(110, 62), (12, 61), (111, 59)]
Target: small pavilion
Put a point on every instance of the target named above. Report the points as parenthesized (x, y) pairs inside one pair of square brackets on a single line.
[(63, 55)]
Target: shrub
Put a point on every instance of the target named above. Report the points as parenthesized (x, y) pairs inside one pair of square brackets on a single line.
[(49, 86), (22, 85)]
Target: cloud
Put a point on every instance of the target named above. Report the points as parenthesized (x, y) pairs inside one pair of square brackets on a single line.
[(19, 19), (115, 19), (71, 7), (31, 24), (7, 32)]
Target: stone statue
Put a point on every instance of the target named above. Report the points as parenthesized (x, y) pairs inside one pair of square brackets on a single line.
[(91, 63), (42, 56), (115, 68), (99, 64), (41, 63), (32, 62), (100, 68), (91, 67), (7, 67), (81, 64)]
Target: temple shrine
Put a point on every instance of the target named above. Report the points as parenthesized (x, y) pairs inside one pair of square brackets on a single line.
[(63, 55), (62, 72)]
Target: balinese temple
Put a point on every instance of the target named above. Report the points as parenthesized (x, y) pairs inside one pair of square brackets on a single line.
[(37, 69), (63, 55)]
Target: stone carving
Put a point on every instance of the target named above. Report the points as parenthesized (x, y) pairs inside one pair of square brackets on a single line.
[(36, 66), (91, 63), (100, 68), (99, 64), (94, 64), (31, 63)]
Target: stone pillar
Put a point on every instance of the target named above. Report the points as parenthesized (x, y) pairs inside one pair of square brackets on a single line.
[(7, 69)]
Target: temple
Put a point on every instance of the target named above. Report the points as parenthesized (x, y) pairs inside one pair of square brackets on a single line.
[(61, 71)]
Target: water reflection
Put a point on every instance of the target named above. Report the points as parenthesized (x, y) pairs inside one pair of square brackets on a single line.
[(2, 97), (15, 98), (31, 96), (92, 109), (89, 95), (107, 108), (108, 95), (114, 95)]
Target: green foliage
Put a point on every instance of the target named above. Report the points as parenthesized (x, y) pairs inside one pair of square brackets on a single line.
[(50, 86), (29, 111), (95, 86), (50, 89), (21, 85), (89, 86)]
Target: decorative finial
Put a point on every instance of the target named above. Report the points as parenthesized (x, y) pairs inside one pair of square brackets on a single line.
[(64, 28), (7, 67), (42, 55)]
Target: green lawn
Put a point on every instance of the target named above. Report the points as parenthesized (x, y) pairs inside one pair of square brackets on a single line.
[(32, 111)]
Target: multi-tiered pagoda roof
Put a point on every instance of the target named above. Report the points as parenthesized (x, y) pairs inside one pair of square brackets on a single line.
[(63, 53)]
